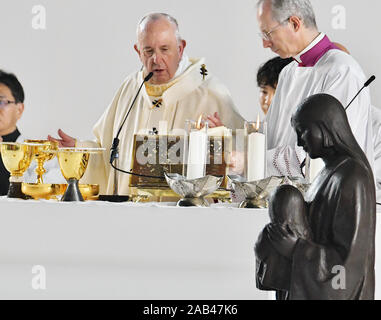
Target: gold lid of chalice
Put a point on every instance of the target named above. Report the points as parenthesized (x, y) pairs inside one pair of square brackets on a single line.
[(16, 158), (73, 163)]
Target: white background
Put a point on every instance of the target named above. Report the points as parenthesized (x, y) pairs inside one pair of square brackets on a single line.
[(71, 70)]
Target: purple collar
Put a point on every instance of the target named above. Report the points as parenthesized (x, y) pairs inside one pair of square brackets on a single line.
[(312, 56)]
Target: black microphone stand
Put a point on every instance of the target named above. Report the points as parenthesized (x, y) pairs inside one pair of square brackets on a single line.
[(115, 151)]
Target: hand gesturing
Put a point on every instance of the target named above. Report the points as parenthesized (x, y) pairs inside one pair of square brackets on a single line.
[(214, 121), (65, 142)]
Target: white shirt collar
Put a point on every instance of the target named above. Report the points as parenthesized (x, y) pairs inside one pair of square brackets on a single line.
[(310, 46)]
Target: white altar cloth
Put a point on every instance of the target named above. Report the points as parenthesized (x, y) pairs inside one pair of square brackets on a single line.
[(101, 250)]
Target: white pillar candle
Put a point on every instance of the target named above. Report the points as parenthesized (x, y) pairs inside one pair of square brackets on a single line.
[(256, 156), (197, 154)]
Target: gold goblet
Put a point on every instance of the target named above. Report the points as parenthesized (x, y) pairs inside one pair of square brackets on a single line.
[(73, 163), (16, 158), (42, 150)]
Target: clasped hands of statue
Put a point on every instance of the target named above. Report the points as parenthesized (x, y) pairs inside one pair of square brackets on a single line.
[(282, 238)]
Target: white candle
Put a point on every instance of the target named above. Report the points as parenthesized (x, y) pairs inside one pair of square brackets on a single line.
[(256, 156), (197, 154)]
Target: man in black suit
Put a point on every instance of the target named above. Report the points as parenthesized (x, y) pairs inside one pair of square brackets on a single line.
[(11, 109)]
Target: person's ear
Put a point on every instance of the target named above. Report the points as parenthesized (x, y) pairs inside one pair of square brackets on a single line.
[(137, 49), (182, 46), (20, 110), (295, 23)]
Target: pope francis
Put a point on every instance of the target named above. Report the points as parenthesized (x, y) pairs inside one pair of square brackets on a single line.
[(180, 89)]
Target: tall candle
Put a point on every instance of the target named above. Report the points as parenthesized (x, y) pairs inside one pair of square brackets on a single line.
[(197, 154), (256, 156)]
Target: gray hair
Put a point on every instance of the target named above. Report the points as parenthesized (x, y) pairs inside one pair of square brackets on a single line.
[(284, 9), (157, 16)]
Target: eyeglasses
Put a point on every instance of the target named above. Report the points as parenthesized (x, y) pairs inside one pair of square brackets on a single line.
[(267, 35), (4, 103)]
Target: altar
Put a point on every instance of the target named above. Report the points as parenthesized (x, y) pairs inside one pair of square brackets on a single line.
[(101, 250)]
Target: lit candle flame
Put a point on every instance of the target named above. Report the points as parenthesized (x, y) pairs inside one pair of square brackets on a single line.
[(198, 123), (257, 124)]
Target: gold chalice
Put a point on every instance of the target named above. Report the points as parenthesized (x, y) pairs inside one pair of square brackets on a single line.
[(73, 163), (42, 150), (16, 158)]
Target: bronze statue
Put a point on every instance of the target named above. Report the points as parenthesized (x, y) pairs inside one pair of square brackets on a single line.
[(334, 258)]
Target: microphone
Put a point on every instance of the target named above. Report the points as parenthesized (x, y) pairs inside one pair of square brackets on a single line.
[(371, 79), (366, 84), (150, 75), (114, 149)]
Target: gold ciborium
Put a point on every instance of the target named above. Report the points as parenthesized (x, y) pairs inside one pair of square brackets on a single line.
[(16, 158), (42, 150), (73, 163), (43, 191)]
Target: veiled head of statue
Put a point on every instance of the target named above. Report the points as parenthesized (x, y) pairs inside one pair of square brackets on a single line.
[(321, 125), (287, 207)]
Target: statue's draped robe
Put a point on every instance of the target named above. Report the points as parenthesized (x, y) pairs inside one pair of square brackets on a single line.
[(342, 217), (194, 92)]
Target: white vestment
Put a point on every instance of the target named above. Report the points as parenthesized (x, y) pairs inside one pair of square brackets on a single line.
[(337, 74), (194, 92), (376, 119)]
